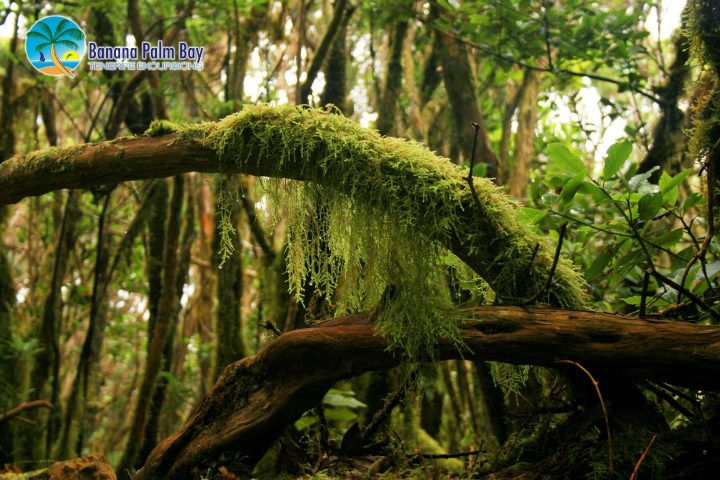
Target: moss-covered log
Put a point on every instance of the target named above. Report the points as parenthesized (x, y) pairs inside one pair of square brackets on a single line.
[(424, 192), (257, 397)]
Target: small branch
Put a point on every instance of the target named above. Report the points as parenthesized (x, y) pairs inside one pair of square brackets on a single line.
[(702, 252), (14, 412), (268, 325), (469, 178), (392, 401), (643, 295), (663, 395), (556, 259), (440, 456), (642, 458), (693, 298), (505, 58), (256, 229), (546, 27), (604, 410)]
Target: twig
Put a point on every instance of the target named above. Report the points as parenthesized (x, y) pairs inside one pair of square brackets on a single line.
[(662, 394), (693, 298), (602, 406), (256, 228), (268, 325), (469, 178), (440, 456), (482, 48), (14, 412), (702, 252), (556, 259), (392, 401), (643, 295), (546, 27), (642, 458)]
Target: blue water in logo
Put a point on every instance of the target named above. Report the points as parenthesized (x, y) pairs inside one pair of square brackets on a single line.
[(71, 64), (61, 34)]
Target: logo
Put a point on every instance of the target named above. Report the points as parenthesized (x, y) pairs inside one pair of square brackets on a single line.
[(55, 46)]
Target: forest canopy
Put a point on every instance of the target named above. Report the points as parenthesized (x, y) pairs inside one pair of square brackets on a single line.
[(359, 239)]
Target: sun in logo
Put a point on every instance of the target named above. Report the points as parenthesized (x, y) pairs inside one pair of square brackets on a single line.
[(55, 45)]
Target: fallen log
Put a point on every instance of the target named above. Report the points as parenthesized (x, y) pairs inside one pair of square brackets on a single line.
[(256, 398)]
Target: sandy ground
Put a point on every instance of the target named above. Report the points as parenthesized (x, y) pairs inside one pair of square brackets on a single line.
[(51, 70)]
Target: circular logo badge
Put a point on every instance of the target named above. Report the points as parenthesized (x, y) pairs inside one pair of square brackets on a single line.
[(55, 46)]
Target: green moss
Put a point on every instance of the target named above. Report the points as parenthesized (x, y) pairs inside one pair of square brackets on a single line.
[(391, 210), (50, 160), (392, 207), (158, 128)]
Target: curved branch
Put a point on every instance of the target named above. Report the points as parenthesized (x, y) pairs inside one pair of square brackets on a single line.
[(15, 411), (423, 191), (256, 398)]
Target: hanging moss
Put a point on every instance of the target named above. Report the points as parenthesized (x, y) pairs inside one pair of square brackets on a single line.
[(394, 207)]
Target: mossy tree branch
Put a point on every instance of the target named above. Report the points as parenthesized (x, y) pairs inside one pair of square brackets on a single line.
[(257, 397), (424, 192)]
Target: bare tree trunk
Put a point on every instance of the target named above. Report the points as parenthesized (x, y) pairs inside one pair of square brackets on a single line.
[(460, 87), (525, 136), (387, 122), (669, 136), (71, 436), (166, 309)]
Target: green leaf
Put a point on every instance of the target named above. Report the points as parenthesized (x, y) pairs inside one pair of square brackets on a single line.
[(480, 169), (670, 238), (564, 161), (667, 182), (634, 300), (669, 185), (570, 189), (649, 205), (531, 215), (597, 267), (304, 422), (335, 400), (340, 415), (639, 183), (616, 157)]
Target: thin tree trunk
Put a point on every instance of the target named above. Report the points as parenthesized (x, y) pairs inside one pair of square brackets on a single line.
[(387, 122), (230, 344), (460, 87), (166, 309), (525, 136), (669, 136), (335, 91), (47, 363), (150, 436), (71, 436)]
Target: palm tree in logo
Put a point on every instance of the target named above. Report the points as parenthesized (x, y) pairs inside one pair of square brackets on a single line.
[(65, 34)]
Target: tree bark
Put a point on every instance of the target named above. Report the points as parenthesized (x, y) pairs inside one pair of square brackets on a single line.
[(257, 397)]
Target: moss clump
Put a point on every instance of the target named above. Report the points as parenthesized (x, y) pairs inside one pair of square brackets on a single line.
[(50, 160), (158, 128), (392, 207)]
